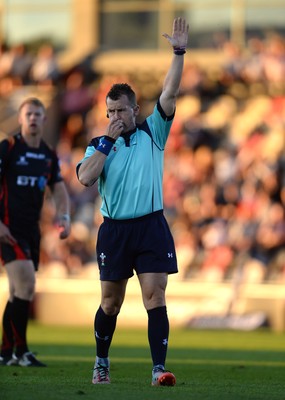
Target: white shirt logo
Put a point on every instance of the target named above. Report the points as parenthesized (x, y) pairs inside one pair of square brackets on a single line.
[(102, 256), (22, 161)]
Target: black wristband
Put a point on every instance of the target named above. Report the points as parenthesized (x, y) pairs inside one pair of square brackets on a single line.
[(179, 51), (110, 139)]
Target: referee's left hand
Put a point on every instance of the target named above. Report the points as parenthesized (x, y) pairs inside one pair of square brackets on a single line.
[(179, 36)]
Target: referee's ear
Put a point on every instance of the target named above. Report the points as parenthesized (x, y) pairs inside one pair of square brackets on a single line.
[(136, 109)]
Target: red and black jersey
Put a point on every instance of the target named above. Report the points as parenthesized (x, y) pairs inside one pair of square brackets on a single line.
[(24, 174)]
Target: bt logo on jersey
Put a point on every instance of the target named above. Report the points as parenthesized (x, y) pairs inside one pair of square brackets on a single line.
[(32, 181), (26, 180)]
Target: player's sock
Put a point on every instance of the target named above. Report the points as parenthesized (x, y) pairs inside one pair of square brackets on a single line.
[(19, 317), (104, 327), (158, 332), (7, 332), (105, 362)]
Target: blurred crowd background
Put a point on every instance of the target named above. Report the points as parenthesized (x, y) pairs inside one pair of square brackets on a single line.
[(224, 180)]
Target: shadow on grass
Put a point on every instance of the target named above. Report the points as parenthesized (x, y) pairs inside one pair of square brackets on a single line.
[(184, 355)]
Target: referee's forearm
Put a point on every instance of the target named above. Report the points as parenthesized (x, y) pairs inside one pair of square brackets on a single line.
[(90, 170), (171, 85), (173, 77)]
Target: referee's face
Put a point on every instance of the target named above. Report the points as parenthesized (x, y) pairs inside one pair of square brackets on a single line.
[(123, 111)]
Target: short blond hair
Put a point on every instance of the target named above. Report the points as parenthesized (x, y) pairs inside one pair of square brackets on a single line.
[(34, 101)]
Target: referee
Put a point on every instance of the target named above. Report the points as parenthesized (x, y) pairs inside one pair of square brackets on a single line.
[(127, 161)]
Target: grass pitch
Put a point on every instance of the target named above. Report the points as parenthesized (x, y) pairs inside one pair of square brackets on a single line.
[(214, 365)]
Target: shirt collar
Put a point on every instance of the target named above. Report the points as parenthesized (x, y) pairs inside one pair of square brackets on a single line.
[(126, 136)]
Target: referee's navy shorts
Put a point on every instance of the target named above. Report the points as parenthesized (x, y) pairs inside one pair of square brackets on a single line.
[(143, 244)]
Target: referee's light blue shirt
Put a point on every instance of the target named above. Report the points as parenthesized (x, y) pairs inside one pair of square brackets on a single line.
[(130, 184)]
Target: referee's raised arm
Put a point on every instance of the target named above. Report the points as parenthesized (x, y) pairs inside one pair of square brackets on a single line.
[(178, 41)]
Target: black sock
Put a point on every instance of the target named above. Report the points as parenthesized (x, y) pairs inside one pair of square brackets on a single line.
[(19, 316), (158, 332), (7, 332), (104, 328)]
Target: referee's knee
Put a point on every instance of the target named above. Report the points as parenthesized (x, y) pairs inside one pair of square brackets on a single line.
[(111, 308)]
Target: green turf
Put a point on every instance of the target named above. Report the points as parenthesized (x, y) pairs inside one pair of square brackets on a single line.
[(222, 365)]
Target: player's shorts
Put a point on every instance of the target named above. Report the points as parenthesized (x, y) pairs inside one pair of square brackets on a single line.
[(143, 244), (26, 248)]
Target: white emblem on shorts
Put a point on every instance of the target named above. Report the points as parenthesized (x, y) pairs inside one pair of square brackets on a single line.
[(102, 256), (170, 255)]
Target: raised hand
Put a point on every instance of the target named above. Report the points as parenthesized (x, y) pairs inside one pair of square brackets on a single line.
[(179, 37)]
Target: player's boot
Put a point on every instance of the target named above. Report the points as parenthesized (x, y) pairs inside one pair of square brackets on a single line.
[(29, 360), (160, 377), (101, 374), (9, 361)]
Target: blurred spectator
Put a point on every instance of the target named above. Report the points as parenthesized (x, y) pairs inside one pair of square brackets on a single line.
[(274, 59), (270, 239), (253, 69), (22, 61), (6, 59), (45, 69), (76, 97)]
